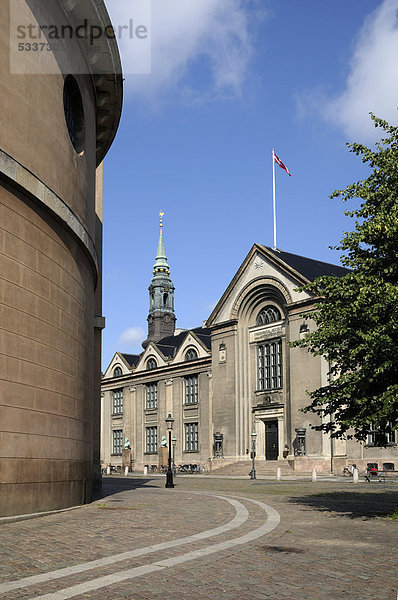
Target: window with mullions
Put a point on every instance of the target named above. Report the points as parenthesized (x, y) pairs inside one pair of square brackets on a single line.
[(117, 441), (191, 389), (117, 372), (269, 314), (375, 439), (269, 365), (191, 437), (151, 398), (117, 402), (151, 440)]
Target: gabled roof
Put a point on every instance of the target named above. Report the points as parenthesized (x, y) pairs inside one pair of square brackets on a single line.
[(131, 359), (300, 269), (309, 267), (170, 345)]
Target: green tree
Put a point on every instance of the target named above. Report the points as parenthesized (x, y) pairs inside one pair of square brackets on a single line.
[(357, 314)]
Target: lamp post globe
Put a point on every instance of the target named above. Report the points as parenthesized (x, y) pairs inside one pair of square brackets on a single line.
[(253, 471), (169, 474)]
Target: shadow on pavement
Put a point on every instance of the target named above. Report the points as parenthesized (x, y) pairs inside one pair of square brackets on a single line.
[(351, 504), (113, 485)]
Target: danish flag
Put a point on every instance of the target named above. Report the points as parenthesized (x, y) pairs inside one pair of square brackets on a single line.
[(282, 166)]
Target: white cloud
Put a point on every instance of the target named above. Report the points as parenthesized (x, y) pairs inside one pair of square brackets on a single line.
[(132, 337), (372, 85), (210, 35)]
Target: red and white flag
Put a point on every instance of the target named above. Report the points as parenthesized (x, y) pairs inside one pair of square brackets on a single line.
[(280, 163)]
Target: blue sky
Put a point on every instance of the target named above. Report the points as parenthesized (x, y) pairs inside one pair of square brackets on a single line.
[(231, 80)]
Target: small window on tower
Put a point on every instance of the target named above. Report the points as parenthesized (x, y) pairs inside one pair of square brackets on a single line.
[(165, 298), (151, 364), (191, 354)]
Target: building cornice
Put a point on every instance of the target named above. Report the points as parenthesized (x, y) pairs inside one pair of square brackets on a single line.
[(161, 373), (28, 184)]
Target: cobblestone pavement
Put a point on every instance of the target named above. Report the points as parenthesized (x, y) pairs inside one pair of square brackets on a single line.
[(333, 541)]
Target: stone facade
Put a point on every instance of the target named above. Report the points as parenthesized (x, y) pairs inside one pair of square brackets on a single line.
[(50, 263), (248, 377)]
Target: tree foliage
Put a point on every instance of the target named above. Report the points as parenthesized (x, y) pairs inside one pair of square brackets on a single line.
[(357, 314)]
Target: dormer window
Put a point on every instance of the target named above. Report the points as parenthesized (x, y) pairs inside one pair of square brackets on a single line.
[(117, 372), (151, 364), (269, 314), (191, 354)]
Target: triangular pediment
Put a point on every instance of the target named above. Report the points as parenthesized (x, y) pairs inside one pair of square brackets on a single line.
[(151, 352), (118, 360), (261, 267), (191, 341)]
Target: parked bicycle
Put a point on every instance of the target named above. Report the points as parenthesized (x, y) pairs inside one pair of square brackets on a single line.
[(348, 471), (189, 469)]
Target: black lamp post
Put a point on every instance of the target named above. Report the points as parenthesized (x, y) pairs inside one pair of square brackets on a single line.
[(253, 471), (174, 441), (169, 474)]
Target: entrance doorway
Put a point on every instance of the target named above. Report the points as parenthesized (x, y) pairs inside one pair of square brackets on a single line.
[(271, 440)]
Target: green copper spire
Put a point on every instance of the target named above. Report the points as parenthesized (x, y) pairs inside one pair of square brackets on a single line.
[(161, 265), (161, 318)]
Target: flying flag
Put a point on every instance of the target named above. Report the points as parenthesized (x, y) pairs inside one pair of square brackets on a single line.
[(277, 160), (282, 166)]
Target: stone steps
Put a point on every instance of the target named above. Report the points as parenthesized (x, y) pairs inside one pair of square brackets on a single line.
[(262, 467)]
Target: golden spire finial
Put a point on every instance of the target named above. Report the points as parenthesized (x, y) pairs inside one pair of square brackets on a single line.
[(161, 214)]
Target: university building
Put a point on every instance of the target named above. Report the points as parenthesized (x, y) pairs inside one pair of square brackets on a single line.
[(235, 375)]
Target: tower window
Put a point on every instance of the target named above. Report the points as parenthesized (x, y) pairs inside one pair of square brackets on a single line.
[(151, 364), (191, 389), (117, 441), (191, 354), (117, 402), (165, 298), (151, 440), (151, 400), (74, 112), (269, 365), (375, 438), (269, 314), (191, 437)]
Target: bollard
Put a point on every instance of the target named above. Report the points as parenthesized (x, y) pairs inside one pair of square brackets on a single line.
[(145, 470), (313, 474), (355, 477), (278, 474), (126, 471), (108, 470)]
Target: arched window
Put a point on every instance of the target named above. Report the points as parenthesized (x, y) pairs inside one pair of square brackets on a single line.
[(117, 372), (269, 314), (74, 113), (191, 354), (151, 364)]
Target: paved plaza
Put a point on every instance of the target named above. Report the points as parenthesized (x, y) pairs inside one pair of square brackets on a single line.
[(209, 538)]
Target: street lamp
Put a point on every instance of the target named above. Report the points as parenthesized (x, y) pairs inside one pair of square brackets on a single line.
[(169, 474), (174, 441), (253, 471)]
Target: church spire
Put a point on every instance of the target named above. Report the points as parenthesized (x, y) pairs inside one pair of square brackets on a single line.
[(161, 318), (161, 265)]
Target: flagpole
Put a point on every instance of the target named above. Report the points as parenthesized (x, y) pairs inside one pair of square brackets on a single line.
[(273, 194)]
